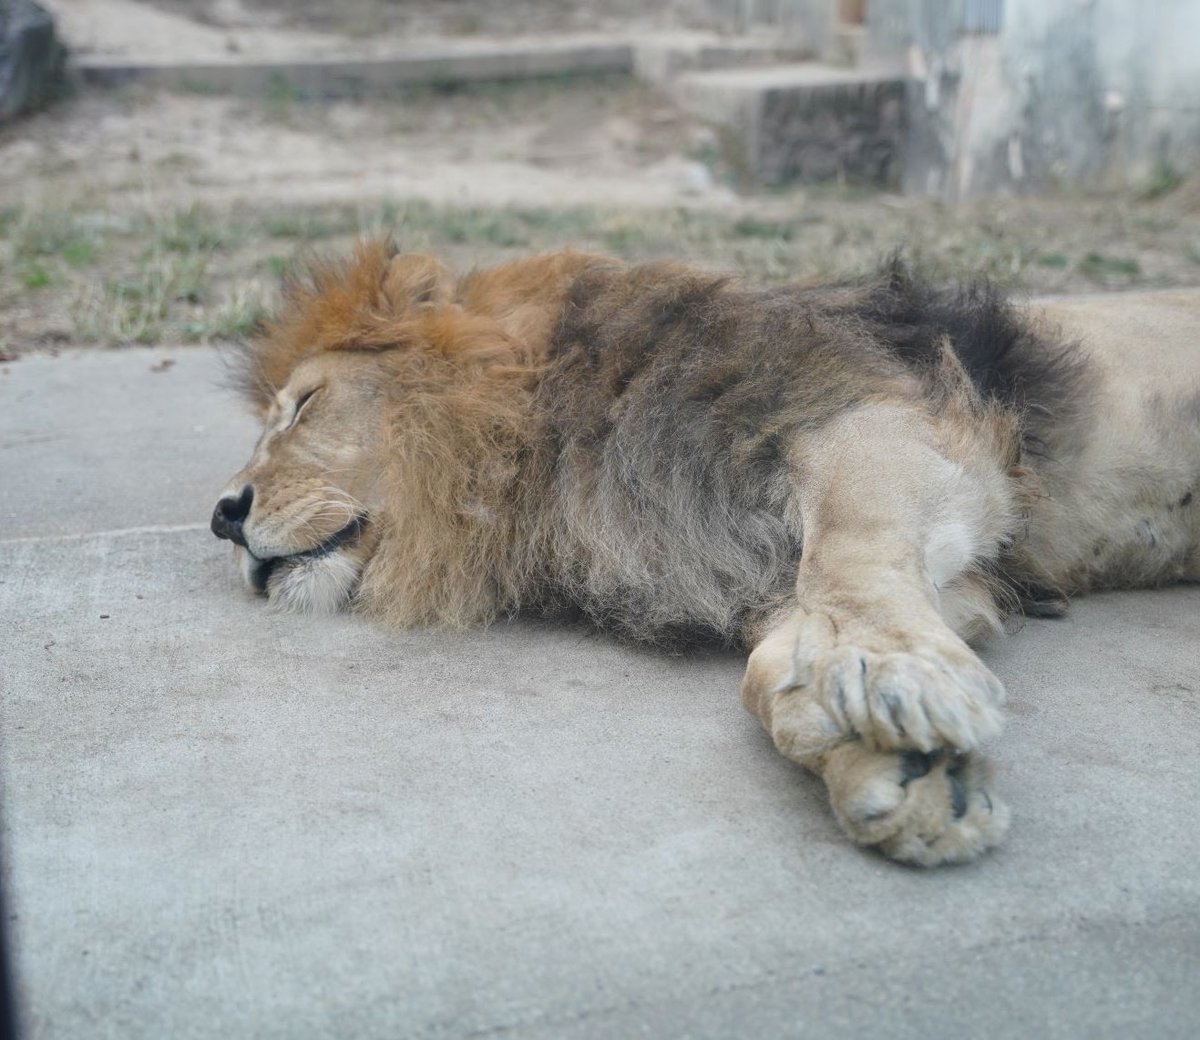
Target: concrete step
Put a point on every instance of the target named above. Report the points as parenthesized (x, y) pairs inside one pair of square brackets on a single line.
[(661, 57), (331, 72), (341, 75), (804, 121)]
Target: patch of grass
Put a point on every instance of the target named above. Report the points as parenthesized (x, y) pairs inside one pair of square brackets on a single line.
[(35, 276), (1099, 266), (47, 233), (279, 267), (502, 228), (79, 252), (239, 316), (754, 227), (280, 97), (193, 230), (1164, 180), (309, 225), (1057, 261), (138, 308)]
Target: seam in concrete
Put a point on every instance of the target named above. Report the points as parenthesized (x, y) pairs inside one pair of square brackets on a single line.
[(43, 539)]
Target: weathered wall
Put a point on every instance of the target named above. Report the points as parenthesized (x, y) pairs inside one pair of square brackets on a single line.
[(1069, 92)]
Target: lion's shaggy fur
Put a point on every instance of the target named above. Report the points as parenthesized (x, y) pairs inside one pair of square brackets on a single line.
[(568, 430)]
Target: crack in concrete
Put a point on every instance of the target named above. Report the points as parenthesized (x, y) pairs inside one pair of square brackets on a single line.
[(121, 532)]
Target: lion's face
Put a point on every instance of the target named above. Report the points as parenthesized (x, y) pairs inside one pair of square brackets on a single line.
[(300, 511)]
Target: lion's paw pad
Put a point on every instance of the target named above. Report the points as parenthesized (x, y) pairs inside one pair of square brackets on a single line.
[(917, 807)]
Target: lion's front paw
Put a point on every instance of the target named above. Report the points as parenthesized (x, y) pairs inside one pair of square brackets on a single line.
[(913, 806), (900, 689)]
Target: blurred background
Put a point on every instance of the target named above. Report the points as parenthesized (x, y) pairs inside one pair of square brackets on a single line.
[(164, 162)]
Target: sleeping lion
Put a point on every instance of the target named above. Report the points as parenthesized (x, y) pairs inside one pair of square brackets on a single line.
[(854, 482)]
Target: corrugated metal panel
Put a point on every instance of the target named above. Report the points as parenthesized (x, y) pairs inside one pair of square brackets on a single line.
[(983, 16)]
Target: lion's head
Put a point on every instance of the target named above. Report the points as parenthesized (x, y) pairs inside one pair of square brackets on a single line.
[(300, 511), (395, 402)]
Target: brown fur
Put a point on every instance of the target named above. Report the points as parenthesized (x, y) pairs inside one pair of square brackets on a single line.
[(852, 481)]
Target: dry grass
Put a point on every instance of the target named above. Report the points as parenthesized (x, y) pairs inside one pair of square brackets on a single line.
[(198, 275)]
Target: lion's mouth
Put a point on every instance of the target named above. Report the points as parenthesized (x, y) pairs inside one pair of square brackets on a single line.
[(260, 570)]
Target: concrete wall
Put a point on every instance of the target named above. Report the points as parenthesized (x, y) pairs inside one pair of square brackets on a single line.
[(1089, 92)]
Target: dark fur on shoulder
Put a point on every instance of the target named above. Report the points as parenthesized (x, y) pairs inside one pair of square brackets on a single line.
[(1008, 358), (671, 401)]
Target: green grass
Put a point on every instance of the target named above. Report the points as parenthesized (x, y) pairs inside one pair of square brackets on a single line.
[(753, 227), (1057, 261), (36, 276), (147, 305), (45, 234), (1103, 268), (1165, 179), (281, 98), (79, 252), (194, 230)]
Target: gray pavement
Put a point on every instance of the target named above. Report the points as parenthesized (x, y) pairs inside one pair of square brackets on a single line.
[(221, 821)]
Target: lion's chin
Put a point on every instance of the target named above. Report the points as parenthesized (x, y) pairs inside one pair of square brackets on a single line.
[(322, 584), (320, 580), (313, 584)]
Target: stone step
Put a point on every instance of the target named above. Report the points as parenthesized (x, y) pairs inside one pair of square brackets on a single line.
[(804, 121), (328, 76), (655, 58), (661, 57)]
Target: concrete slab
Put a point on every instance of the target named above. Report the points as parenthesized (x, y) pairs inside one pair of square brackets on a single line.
[(223, 821), (95, 441)]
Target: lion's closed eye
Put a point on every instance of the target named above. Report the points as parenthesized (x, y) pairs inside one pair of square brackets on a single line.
[(301, 401)]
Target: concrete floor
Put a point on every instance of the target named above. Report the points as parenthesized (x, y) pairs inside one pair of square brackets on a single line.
[(225, 822)]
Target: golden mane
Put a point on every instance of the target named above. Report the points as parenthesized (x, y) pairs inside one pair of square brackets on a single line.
[(379, 299), (464, 355)]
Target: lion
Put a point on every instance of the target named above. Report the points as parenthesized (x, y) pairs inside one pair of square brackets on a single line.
[(856, 483)]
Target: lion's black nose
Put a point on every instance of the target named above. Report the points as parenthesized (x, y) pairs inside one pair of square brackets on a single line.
[(228, 516)]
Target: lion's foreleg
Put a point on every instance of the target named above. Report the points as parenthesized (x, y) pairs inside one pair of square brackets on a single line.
[(867, 681), (901, 512)]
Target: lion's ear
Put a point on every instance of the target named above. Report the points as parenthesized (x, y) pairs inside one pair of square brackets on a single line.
[(415, 279)]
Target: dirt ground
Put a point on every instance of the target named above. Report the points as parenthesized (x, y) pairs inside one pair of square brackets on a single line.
[(159, 218)]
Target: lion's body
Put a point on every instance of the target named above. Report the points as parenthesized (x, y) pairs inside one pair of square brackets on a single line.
[(849, 477)]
